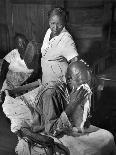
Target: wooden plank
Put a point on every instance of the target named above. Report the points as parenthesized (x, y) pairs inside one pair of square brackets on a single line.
[(2, 12), (86, 16), (91, 4), (87, 31)]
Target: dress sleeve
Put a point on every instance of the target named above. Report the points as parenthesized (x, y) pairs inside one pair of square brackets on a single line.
[(69, 50), (10, 56)]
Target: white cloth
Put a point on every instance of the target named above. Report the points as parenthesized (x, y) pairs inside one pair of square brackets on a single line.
[(22, 148), (17, 110), (16, 63), (100, 142), (18, 66), (87, 105), (59, 46)]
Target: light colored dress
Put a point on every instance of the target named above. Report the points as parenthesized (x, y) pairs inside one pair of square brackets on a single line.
[(59, 46), (18, 71)]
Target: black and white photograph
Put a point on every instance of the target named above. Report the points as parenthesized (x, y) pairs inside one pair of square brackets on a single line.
[(57, 77)]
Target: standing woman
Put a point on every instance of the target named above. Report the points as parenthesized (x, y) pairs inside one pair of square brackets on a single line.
[(58, 48)]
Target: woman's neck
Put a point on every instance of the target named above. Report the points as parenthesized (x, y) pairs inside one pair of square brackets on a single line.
[(52, 36)]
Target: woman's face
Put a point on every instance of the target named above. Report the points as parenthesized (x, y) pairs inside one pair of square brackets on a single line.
[(21, 46), (72, 80), (56, 24)]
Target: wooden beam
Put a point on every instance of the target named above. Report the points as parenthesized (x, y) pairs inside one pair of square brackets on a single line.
[(37, 1)]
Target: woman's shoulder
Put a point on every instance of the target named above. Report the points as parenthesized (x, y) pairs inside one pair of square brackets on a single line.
[(12, 54), (47, 36), (15, 51), (66, 35), (48, 32)]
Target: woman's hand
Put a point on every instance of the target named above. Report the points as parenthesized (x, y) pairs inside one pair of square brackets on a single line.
[(60, 59), (78, 95), (76, 98), (30, 70), (40, 82)]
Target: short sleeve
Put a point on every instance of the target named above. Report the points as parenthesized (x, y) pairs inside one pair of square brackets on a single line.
[(69, 50), (10, 56)]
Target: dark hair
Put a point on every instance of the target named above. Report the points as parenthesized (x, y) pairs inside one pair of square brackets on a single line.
[(59, 12), (19, 35)]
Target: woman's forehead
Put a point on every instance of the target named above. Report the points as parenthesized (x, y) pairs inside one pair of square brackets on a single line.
[(20, 39), (72, 71), (55, 18)]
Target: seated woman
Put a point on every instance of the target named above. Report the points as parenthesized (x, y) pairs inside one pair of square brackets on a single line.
[(16, 70), (60, 110)]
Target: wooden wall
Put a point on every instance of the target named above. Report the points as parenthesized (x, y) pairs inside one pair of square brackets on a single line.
[(113, 30), (29, 17), (90, 24), (89, 21), (2, 12), (4, 32)]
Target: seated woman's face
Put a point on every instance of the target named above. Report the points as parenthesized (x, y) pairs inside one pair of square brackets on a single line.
[(21, 46), (56, 24), (72, 80), (77, 75), (22, 43)]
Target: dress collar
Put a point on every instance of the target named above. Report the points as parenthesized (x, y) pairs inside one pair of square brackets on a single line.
[(63, 30)]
